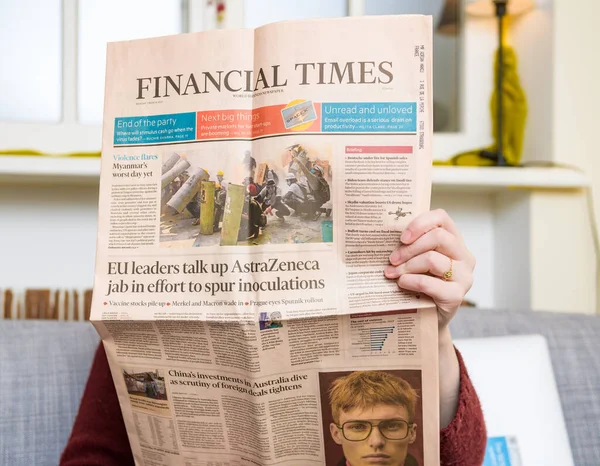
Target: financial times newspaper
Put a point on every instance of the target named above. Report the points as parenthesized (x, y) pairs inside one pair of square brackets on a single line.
[(253, 185)]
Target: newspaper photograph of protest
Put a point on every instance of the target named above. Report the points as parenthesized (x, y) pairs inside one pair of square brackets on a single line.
[(374, 414), (228, 195)]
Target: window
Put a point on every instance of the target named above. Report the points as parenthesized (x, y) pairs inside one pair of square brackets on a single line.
[(58, 48), (55, 51), (31, 72), (260, 12)]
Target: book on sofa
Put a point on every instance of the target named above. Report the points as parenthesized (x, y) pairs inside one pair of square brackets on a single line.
[(514, 379)]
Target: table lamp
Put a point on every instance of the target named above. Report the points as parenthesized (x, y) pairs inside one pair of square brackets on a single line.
[(499, 9)]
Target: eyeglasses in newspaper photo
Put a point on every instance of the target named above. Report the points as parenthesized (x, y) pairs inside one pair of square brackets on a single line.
[(391, 429)]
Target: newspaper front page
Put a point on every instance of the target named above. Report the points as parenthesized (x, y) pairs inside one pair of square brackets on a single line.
[(253, 185)]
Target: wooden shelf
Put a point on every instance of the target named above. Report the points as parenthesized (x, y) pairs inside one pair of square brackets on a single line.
[(86, 171)]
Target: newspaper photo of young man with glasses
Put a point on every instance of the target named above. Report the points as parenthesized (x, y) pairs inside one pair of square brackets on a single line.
[(373, 418)]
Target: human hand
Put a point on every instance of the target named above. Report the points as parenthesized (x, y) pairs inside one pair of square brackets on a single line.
[(432, 246)]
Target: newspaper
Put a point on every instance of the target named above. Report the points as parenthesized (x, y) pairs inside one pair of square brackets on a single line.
[(253, 185)]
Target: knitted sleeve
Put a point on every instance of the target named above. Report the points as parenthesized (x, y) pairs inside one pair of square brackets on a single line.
[(463, 441), (98, 436)]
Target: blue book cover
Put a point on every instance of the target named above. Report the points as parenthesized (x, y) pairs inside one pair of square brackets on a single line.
[(502, 451)]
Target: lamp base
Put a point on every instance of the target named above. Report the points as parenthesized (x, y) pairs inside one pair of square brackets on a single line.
[(496, 157)]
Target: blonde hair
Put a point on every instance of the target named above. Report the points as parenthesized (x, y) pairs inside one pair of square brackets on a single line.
[(362, 389)]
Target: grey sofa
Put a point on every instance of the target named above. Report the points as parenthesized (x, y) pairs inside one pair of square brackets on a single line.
[(44, 366)]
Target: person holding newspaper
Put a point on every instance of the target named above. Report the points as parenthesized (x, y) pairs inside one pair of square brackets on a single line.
[(432, 259)]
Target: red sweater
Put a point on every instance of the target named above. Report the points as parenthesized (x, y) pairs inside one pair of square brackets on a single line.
[(99, 436)]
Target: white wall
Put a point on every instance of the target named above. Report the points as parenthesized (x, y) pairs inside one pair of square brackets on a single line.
[(565, 260), (48, 236)]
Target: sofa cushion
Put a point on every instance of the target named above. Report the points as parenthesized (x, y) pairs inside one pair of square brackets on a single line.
[(574, 343), (43, 368)]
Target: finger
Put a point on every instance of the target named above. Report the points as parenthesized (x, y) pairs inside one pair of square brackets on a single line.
[(443, 293), (431, 262), (439, 240), (426, 222)]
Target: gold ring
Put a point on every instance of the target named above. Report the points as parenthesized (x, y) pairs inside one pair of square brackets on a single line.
[(448, 274)]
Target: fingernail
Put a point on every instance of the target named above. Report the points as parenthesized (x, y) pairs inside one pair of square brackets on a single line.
[(391, 272), (405, 237), (395, 258)]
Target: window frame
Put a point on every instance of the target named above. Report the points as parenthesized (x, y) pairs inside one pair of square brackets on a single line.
[(70, 135)]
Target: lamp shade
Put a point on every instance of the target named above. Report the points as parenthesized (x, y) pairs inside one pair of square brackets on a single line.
[(488, 8), (448, 23)]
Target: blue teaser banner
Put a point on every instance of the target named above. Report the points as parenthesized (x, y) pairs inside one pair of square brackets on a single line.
[(369, 117), (155, 129)]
